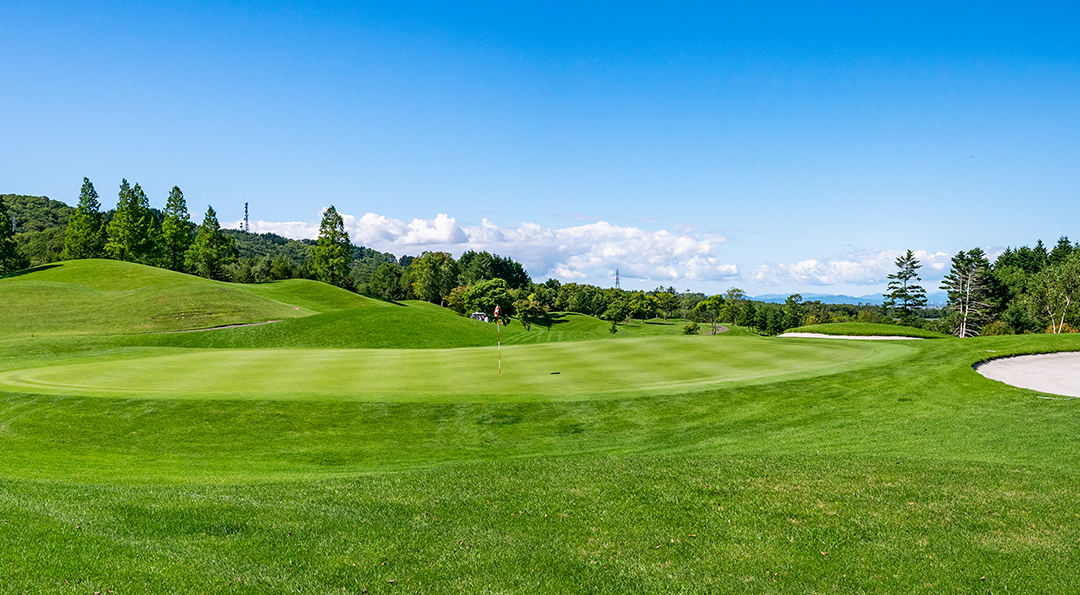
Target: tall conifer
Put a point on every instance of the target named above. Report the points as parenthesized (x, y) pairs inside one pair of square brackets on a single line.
[(130, 231), (332, 254), (211, 250), (905, 295), (85, 233), (176, 233)]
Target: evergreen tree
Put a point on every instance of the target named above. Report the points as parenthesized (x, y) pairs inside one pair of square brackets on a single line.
[(905, 296), (331, 255), (84, 236), (10, 260), (211, 251), (131, 230), (175, 231), (966, 284), (793, 311), (1062, 251)]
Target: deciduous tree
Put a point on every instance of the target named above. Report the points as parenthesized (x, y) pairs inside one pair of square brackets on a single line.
[(486, 295), (10, 260), (386, 282), (530, 312), (709, 310), (1054, 289), (666, 301), (966, 285), (733, 301), (432, 275)]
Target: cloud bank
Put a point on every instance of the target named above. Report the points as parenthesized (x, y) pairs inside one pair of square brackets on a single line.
[(592, 250), (854, 267)]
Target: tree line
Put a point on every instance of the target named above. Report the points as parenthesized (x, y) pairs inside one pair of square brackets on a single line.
[(1025, 290)]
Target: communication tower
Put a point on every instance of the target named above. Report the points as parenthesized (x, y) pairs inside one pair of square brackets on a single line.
[(246, 218), (616, 278)]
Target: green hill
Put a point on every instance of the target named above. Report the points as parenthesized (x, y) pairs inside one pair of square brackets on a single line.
[(110, 297), (148, 305)]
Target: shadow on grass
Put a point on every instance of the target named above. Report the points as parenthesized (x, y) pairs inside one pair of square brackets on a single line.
[(385, 300), (40, 267)]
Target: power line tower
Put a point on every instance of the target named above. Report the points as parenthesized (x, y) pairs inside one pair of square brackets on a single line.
[(616, 278), (246, 218)]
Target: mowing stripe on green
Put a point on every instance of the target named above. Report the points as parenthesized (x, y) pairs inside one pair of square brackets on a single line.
[(552, 371)]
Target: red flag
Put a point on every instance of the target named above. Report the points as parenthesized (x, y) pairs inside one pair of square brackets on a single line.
[(496, 311)]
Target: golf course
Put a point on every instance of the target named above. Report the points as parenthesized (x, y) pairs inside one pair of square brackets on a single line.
[(163, 433)]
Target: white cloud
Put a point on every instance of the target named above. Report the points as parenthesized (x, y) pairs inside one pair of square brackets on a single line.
[(855, 267), (592, 250)]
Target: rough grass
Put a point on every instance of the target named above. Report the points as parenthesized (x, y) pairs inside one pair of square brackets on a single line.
[(866, 329), (911, 476)]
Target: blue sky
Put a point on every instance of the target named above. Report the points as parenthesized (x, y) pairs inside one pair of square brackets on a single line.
[(776, 148)]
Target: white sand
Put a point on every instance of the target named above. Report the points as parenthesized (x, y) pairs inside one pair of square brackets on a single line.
[(858, 337), (1055, 373)]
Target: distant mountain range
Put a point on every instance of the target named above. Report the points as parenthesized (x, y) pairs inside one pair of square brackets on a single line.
[(938, 298)]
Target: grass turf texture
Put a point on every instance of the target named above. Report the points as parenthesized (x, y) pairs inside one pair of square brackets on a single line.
[(868, 329), (906, 473)]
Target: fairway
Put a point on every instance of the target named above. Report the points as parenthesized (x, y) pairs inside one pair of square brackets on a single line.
[(562, 371)]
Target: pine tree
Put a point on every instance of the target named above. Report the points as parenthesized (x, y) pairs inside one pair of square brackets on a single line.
[(85, 233), (10, 260), (904, 295), (131, 230), (211, 251), (332, 254), (176, 234), (966, 284)]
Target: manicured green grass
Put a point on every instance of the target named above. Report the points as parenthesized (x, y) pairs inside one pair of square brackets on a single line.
[(865, 329), (562, 371), (841, 467), (104, 296)]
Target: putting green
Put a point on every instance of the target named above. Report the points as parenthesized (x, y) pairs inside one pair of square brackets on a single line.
[(564, 371)]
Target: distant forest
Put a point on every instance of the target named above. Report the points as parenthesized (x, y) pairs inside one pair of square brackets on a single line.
[(1025, 290)]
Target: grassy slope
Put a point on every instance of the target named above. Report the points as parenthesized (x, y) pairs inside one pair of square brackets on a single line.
[(919, 477), (865, 329), (104, 296), (109, 297)]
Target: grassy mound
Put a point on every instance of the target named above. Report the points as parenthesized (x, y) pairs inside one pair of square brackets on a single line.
[(867, 329), (106, 296)]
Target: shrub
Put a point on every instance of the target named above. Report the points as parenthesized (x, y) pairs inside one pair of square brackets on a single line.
[(691, 329), (998, 327)]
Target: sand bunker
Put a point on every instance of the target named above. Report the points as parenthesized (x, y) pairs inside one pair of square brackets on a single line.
[(859, 337), (1055, 373)]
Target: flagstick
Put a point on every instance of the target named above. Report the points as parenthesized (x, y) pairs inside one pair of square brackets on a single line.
[(498, 334)]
